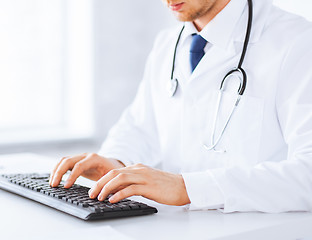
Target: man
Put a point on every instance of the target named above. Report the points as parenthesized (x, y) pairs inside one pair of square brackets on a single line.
[(263, 162)]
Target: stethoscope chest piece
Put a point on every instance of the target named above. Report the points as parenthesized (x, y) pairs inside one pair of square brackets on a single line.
[(172, 87)]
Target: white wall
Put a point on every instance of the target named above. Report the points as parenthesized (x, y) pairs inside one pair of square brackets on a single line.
[(124, 32)]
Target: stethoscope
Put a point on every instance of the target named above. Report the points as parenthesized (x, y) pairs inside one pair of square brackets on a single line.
[(238, 72)]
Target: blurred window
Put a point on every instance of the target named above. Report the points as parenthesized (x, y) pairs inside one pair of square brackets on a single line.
[(45, 70)]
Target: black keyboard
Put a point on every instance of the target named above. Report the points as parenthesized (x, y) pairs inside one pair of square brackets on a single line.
[(74, 200)]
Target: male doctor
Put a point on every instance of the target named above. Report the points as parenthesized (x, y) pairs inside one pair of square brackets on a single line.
[(263, 161)]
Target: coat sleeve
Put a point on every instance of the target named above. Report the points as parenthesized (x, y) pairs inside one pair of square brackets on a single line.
[(134, 137), (269, 186)]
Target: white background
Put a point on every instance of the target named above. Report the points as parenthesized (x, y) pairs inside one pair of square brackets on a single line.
[(122, 36)]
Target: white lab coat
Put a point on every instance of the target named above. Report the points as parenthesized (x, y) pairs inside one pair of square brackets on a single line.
[(268, 161)]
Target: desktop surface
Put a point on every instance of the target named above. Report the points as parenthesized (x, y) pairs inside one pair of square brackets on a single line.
[(25, 219)]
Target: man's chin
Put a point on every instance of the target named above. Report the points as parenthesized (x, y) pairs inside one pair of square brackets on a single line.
[(182, 17)]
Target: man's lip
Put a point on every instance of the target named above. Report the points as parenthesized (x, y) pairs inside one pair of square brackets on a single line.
[(176, 7)]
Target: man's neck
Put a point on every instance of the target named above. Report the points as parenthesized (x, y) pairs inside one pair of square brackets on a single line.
[(201, 22)]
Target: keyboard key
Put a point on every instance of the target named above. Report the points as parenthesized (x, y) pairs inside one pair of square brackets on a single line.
[(84, 205)]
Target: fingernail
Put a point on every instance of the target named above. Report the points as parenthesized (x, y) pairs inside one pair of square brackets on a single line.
[(111, 199), (66, 184), (100, 198)]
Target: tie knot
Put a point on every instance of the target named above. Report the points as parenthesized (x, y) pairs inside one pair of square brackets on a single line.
[(198, 43)]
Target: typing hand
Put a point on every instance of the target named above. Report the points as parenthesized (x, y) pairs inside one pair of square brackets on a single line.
[(162, 187), (89, 165)]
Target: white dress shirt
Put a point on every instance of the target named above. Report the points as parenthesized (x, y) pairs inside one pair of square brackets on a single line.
[(267, 163)]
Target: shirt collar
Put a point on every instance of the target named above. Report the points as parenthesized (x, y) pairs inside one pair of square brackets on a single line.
[(230, 24), (219, 30)]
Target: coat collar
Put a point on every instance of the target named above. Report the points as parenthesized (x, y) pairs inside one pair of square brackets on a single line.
[(230, 24), (261, 11)]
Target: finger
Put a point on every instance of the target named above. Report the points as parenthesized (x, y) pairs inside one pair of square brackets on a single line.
[(95, 190), (135, 169), (77, 170), (65, 165), (54, 170), (52, 175), (121, 180), (132, 190)]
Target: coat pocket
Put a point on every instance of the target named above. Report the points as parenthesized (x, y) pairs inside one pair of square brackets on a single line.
[(240, 142)]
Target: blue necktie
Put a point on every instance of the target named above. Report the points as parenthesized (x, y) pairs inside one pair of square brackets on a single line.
[(197, 50)]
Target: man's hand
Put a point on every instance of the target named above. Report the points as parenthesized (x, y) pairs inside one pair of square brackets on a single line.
[(89, 165), (162, 187)]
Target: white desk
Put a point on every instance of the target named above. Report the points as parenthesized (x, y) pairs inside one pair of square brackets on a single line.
[(24, 218)]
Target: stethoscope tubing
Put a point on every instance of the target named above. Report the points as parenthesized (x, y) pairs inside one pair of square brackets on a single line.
[(239, 69)]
